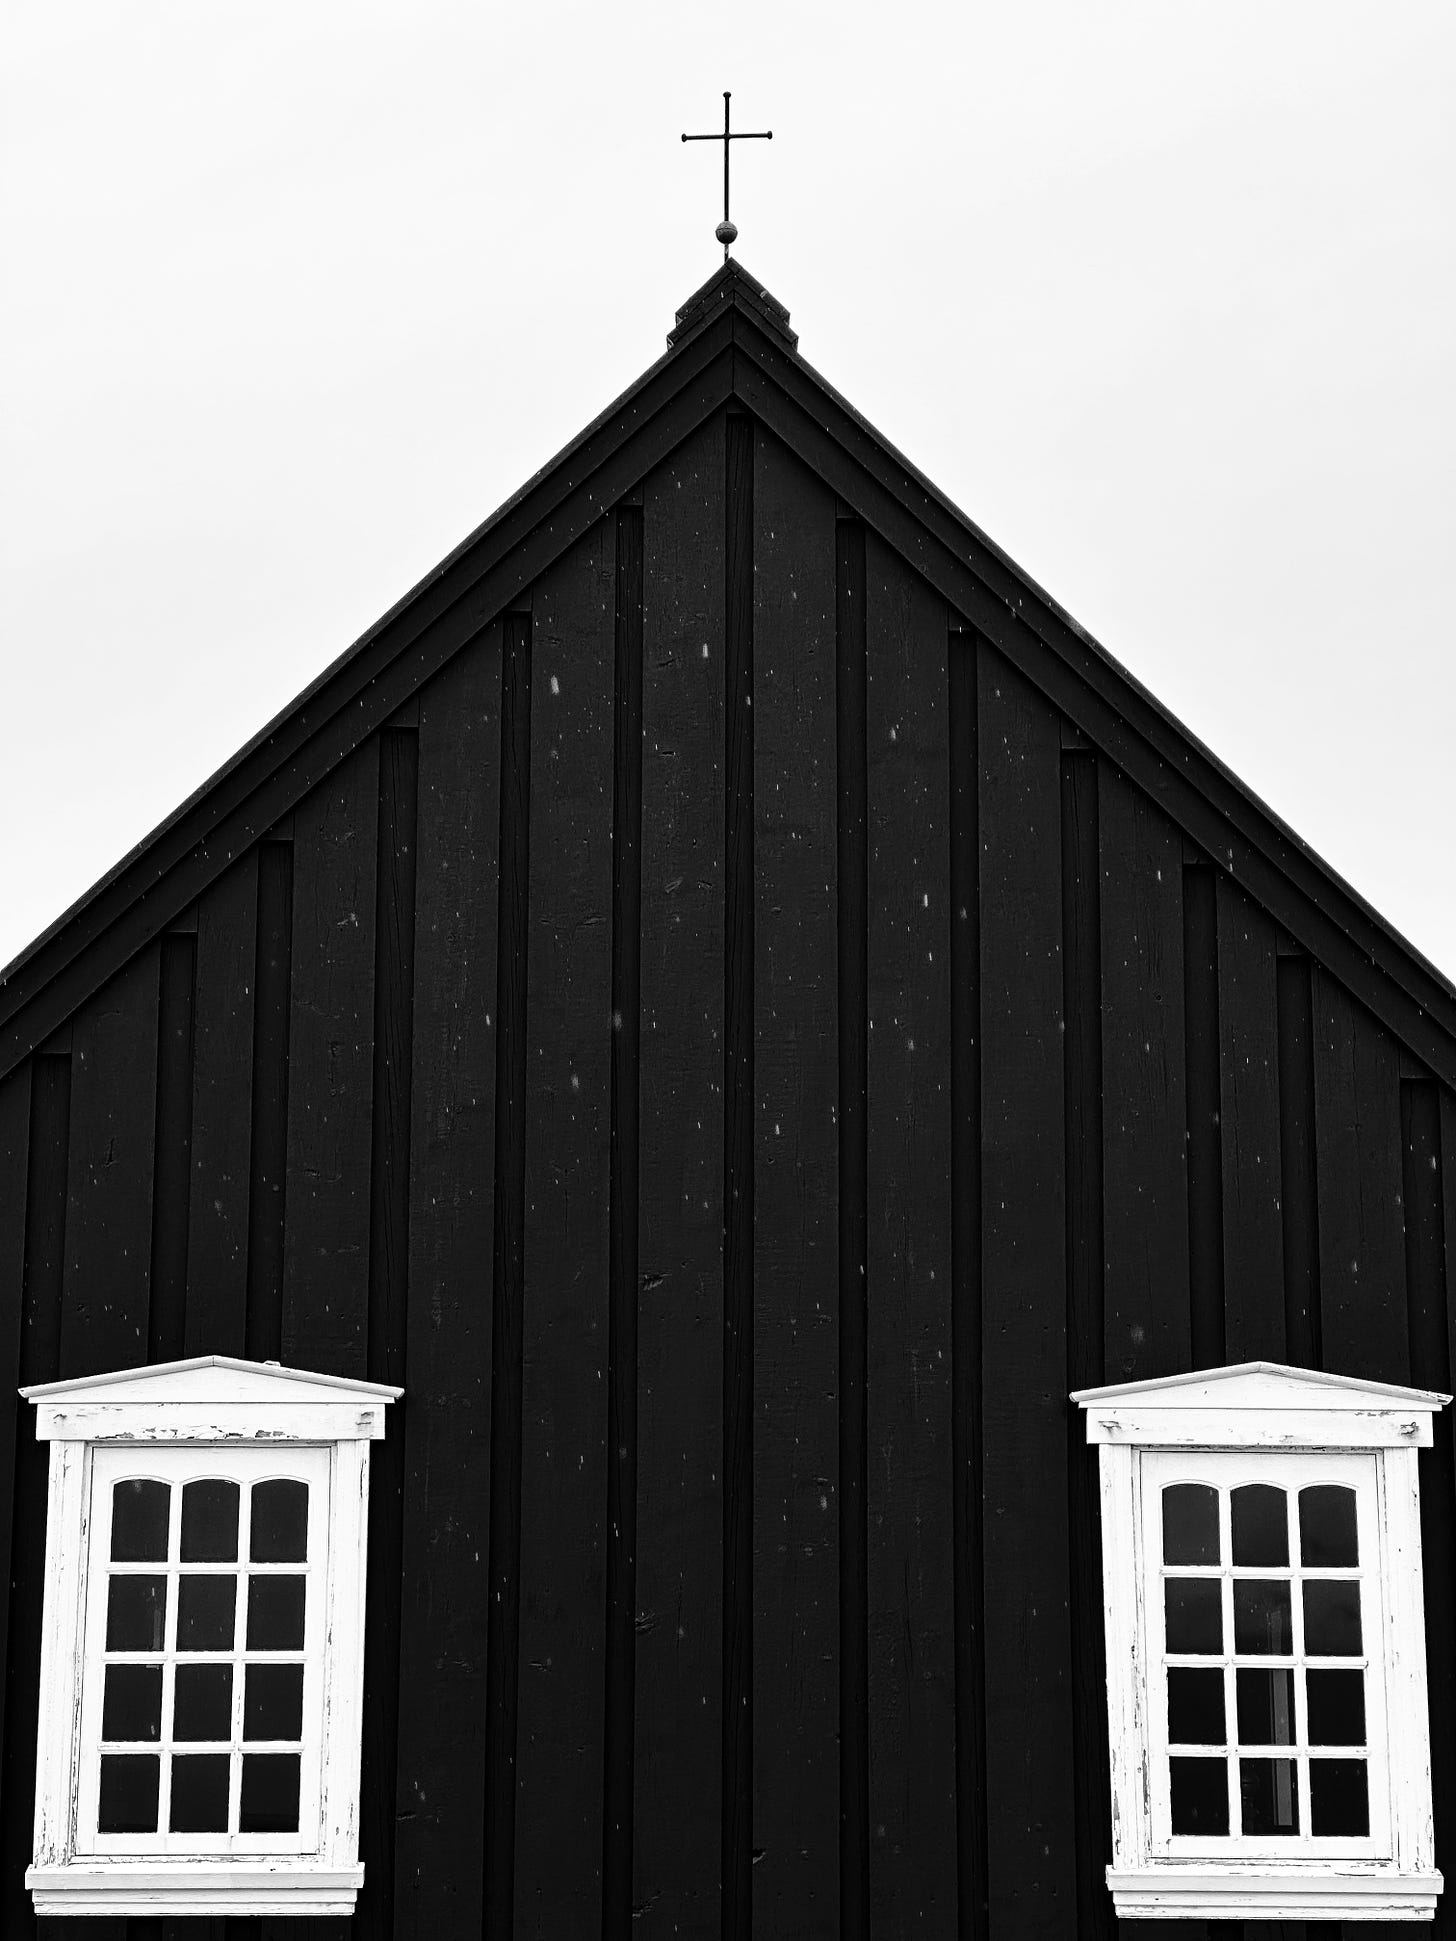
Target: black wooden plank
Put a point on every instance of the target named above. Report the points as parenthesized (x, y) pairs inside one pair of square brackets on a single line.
[(1361, 1217), (268, 1148), (15, 1417), (109, 1216), (440, 1809), (908, 1345), (389, 1186), (621, 1562), (172, 1165), (1031, 1806), (331, 1072), (852, 789), (508, 1276), (1298, 1162), (1144, 1114), (1253, 1230), (222, 1113), (1203, 1071), (795, 1319), (44, 1201), (678, 1774), (559, 1736)]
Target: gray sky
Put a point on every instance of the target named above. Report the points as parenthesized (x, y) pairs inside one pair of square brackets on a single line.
[(1163, 295)]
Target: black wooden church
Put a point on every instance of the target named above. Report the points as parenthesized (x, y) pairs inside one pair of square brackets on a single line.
[(737, 1005)]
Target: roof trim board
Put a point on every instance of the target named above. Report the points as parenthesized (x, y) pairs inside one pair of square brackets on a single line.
[(732, 342)]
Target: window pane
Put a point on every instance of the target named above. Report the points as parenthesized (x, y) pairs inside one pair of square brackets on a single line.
[(1190, 1524), (139, 1510), (1338, 1802), (136, 1613), (210, 1521), (275, 1613), (132, 1705), (1266, 1707), (1260, 1517), (1269, 1790), (280, 1522), (200, 1792), (205, 1607), (1336, 1708), (1327, 1532), (203, 1705), (1194, 1607), (1195, 1707), (128, 1802), (273, 1702), (270, 1793), (1200, 1795), (1332, 1619), (1261, 1615)]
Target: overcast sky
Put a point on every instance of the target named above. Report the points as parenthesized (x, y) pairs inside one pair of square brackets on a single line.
[(1163, 295)]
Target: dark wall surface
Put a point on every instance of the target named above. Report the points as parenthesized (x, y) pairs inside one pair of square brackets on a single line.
[(738, 1058)]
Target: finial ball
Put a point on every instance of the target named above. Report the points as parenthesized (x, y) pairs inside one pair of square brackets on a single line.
[(726, 232)]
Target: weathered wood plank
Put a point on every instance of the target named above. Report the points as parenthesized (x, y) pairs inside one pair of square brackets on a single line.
[(1031, 1809), (1253, 1228), (795, 1335), (559, 1743), (678, 1809), (15, 1416), (438, 1881), (172, 1155), (908, 1349)]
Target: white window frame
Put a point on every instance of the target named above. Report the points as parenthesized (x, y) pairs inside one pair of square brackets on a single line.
[(220, 1416), (1291, 1427)]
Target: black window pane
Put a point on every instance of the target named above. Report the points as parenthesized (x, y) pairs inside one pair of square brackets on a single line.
[(1269, 1792), (203, 1705), (128, 1802), (1261, 1615), (200, 1792), (1327, 1533), (1339, 1805), (1190, 1524), (1259, 1515), (136, 1613), (275, 1613), (210, 1521), (1194, 1609), (270, 1793), (1200, 1796), (1336, 1708), (1332, 1618), (1195, 1707), (139, 1511), (205, 1607), (1266, 1707), (273, 1702), (131, 1707), (279, 1522)]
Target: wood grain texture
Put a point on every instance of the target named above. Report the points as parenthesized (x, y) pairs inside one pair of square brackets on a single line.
[(908, 1344), (331, 1071), (109, 1212), (1361, 1211), (796, 1212), (678, 1809), (1144, 1112), (559, 1742), (1253, 1230), (438, 1885), (1031, 1806), (222, 1112)]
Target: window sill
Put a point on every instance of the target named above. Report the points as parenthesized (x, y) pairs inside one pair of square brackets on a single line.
[(193, 1887), (1313, 1891)]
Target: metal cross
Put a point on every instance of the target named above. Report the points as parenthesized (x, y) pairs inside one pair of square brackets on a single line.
[(727, 232)]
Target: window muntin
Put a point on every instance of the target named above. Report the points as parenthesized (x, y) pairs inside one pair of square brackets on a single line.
[(207, 1583), (1263, 1616)]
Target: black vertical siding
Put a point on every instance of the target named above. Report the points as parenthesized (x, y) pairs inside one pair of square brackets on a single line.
[(738, 1058)]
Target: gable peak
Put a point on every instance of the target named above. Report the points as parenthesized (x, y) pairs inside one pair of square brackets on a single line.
[(731, 286)]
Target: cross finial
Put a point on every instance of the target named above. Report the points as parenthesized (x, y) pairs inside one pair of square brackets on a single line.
[(727, 231)]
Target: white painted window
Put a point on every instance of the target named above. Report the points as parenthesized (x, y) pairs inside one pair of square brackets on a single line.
[(202, 1661), (1265, 1645)]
